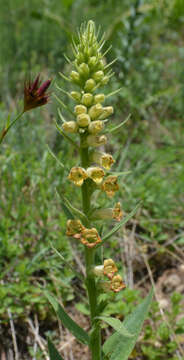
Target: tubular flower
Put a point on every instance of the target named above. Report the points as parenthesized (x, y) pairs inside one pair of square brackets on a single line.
[(95, 127), (90, 237), (96, 140), (107, 111), (117, 212), (96, 174), (70, 126), (77, 175), (117, 284), (34, 94), (109, 268), (103, 159), (110, 185), (74, 228), (95, 111)]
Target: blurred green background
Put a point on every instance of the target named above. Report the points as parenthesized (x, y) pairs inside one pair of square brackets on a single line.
[(147, 40)]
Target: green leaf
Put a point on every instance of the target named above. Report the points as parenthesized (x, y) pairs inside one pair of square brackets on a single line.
[(119, 125), (73, 209), (67, 211), (67, 264), (121, 223), (119, 347), (53, 353), (117, 325), (54, 156), (71, 325)]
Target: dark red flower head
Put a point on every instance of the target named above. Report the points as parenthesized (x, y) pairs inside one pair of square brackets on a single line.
[(35, 94)]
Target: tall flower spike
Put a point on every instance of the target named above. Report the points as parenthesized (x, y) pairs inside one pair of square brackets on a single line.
[(34, 94)]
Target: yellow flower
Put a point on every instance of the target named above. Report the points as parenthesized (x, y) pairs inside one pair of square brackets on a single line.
[(74, 228), (96, 174), (117, 212), (99, 98), (107, 111), (95, 127), (96, 140), (103, 159), (110, 185), (95, 111), (109, 268), (117, 284), (90, 237), (77, 175)]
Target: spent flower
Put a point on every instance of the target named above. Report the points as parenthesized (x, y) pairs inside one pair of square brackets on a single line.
[(110, 185), (90, 237), (74, 228)]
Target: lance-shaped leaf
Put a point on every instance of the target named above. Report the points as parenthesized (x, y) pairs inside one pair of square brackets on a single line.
[(115, 128), (75, 212), (54, 156), (53, 353), (65, 208), (121, 223), (117, 325), (67, 321), (118, 346), (67, 263)]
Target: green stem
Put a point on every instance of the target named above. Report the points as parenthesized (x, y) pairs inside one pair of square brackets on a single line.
[(90, 263), (5, 130)]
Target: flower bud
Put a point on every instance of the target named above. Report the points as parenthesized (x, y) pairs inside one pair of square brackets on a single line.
[(92, 61), (101, 64), (95, 140), (80, 109), (80, 58), (74, 228), (102, 159), (98, 270), (89, 85), (83, 120), (110, 185), (96, 174), (109, 268), (87, 99), (105, 80), (95, 127), (77, 175), (70, 126), (98, 76), (107, 111), (75, 95), (117, 284), (95, 111), (90, 237), (83, 70), (99, 98), (74, 76)]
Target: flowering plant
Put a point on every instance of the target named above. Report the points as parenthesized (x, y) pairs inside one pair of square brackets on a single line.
[(89, 74)]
